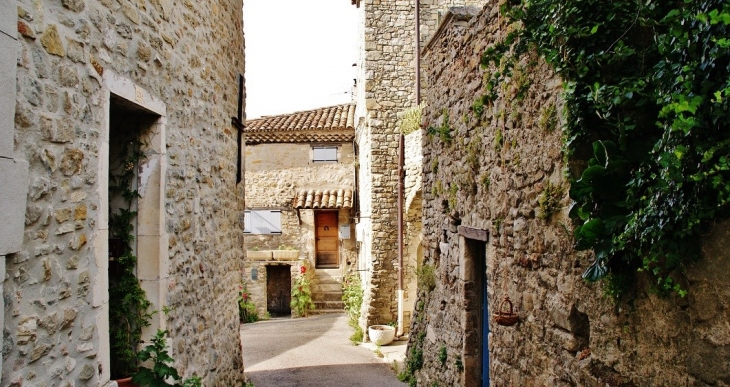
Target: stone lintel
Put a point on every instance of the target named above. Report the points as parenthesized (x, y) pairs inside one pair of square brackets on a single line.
[(474, 233)]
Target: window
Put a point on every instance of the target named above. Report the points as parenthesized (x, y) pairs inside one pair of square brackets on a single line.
[(262, 222), (324, 153)]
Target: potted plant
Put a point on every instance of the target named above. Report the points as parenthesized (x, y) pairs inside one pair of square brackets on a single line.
[(286, 253), (128, 303), (255, 255)]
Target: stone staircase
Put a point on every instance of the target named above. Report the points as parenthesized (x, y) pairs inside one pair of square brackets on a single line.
[(327, 291)]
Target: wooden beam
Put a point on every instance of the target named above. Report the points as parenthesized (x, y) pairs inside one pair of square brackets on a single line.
[(474, 233)]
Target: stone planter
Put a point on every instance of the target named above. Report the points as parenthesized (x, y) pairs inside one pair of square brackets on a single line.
[(381, 334), (286, 255), (263, 255)]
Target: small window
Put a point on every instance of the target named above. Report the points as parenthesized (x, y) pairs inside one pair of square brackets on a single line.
[(324, 153), (262, 222)]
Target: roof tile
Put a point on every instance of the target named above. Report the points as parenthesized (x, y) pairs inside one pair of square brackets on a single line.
[(328, 124)]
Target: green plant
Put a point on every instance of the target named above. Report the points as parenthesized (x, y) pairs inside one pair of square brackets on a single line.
[(163, 368), (473, 151), (162, 363), (247, 311), (453, 190), (498, 140), (646, 93), (128, 304), (352, 295), (357, 335), (548, 120), (411, 120), (443, 355), (247, 384), (443, 131), (378, 352), (459, 364), (549, 200), (414, 361), (426, 277), (301, 293), (286, 247)]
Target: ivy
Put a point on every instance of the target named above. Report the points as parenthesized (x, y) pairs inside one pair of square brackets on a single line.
[(646, 89)]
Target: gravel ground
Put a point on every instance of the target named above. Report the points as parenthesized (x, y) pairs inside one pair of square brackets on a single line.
[(312, 351)]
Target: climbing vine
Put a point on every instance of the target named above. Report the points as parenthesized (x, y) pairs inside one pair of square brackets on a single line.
[(646, 89)]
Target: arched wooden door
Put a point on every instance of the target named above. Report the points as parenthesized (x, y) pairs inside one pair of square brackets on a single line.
[(326, 246)]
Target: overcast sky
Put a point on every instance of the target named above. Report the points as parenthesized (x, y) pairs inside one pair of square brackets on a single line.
[(299, 54)]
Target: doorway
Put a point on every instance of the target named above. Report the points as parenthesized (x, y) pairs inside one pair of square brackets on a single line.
[(326, 246), (476, 315), (278, 290)]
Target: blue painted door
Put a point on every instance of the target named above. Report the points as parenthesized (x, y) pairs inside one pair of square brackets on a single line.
[(485, 331)]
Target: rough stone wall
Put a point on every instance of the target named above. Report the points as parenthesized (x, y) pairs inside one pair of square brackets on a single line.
[(274, 175), (188, 56), (386, 87), (490, 176)]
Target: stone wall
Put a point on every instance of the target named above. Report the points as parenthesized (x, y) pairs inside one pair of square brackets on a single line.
[(385, 88), (274, 175), (485, 180), (178, 61)]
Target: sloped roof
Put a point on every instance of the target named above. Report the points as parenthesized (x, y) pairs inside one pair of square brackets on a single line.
[(335, 198), (328, 124)]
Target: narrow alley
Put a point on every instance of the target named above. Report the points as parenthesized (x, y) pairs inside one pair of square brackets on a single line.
[(310, 351)]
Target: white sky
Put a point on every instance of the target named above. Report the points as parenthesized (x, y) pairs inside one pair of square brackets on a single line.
[(299, 54)]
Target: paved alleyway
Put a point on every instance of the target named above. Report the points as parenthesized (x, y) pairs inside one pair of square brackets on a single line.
[(313, 351)]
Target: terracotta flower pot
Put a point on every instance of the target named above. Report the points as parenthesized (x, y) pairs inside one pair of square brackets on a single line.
[(126, 382)]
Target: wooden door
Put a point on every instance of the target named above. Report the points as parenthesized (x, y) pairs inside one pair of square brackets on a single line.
[(326, 246), (278, 290)]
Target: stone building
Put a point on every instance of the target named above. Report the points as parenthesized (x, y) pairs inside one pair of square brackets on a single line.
[(300, 180), (489, 235), (385, 88), (82, 79)]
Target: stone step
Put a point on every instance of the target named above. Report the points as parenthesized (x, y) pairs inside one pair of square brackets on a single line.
[(329, 305), (326, 288), (328, 275), (325, 311), (327, 296)]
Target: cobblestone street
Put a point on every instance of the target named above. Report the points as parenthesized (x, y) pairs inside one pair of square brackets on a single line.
[(313, 351)]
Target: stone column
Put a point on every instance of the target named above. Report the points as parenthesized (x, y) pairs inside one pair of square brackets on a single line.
[(13, 172)]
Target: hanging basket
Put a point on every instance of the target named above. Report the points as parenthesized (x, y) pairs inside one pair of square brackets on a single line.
[(505, 318)]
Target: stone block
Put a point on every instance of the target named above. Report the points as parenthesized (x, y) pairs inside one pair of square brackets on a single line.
[(7, 97), (13, 192), (8, 19)]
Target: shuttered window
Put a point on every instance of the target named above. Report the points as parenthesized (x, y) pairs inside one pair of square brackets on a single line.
[(262, 222)]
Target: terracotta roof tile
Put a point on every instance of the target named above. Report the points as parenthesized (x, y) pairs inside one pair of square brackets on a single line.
[(328, 124), (334, 198)]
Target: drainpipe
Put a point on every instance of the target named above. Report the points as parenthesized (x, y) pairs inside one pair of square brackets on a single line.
[(401, 162), (418, 52)]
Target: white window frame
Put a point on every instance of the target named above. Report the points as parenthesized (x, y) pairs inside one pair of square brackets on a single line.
[(325, 153), (262, 222)]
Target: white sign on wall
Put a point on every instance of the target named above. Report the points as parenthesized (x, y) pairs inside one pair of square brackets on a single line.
[(344, 231)]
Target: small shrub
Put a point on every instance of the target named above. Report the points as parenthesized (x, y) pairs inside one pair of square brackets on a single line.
[(411, 120), (247, 311), (426, 277), (550, 200), (301, 293), (443, 355)]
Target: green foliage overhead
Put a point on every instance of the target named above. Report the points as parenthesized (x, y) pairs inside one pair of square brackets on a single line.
[(647, 85)]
